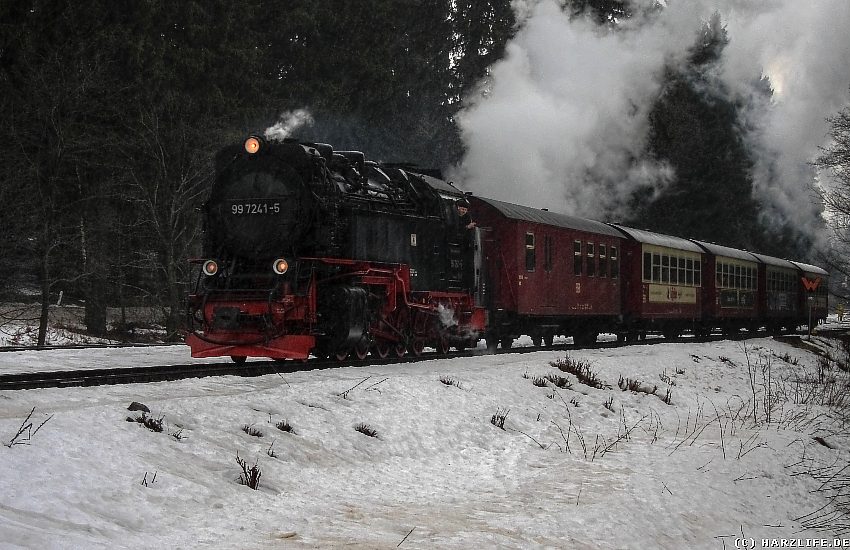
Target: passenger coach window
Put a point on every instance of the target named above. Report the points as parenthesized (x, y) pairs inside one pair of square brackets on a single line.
[(735, 276), (603, 261), (547, 253), (591, 261), (530, 255), (577, 258), (615, 263), (674, 271), (669, 268)]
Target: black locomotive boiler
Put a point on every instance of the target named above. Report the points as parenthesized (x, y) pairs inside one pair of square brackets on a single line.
[(308, 250)]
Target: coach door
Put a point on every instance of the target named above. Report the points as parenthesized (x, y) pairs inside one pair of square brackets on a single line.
[(481, 285)]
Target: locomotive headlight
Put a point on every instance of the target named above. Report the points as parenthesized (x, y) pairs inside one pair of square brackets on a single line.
[(252, 144), (280, 266), (210, 268)]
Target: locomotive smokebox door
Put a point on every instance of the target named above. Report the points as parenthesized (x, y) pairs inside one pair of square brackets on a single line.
[(259, 213)]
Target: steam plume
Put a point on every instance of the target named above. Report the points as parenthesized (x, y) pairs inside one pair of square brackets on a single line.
[(562, 118), (288, 122)]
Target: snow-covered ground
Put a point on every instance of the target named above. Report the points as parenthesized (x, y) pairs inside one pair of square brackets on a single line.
[(733, 454), (19, 324)]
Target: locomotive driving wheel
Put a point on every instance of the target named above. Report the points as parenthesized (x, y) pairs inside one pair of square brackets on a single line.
[(400, 349), (417, 345), (361, 350), (380, 349), (443, 345)]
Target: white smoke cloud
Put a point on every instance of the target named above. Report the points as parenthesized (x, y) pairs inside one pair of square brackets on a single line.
[(803, 47), (288, 122), (563, 115)]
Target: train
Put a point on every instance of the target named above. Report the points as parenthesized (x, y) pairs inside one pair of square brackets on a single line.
[(311, 251)]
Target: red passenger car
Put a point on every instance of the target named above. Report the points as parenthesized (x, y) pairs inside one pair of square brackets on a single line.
[(731, 284), (814, 294), (778, 293), (661, 284), (547, 274)]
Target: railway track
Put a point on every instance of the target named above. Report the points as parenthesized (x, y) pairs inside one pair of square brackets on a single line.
[(113, 345), (134, 375)]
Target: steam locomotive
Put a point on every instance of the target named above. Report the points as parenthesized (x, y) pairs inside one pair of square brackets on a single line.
[(314, 251), (308, 250)]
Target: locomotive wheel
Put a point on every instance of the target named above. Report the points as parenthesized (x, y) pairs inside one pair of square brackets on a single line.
[(400, 349), (507, 343), (239, 359), (416, 347), (548, 340), (381, 350), (443, 346), (361, 350), (341, 355)]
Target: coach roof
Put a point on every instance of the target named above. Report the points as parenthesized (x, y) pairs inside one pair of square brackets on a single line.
[(808, 268), (776, 262), (658, 239), (525, 213), (727, 252)]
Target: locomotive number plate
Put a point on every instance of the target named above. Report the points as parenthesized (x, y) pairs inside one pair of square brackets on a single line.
[(252, 207)]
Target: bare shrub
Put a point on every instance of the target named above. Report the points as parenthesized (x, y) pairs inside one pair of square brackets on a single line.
[(498, 418), (579, 368), (25, 432), (285, 426), (249, 476), (450, 381), (252, 431), (666, 378), (539, 381), (145, 479), (559, 381), (788, 359), (270, 451), (149, 422), (627, 384), (366, 429)]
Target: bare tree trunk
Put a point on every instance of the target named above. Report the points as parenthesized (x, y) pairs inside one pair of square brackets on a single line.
[(45, 300), (173, 322)]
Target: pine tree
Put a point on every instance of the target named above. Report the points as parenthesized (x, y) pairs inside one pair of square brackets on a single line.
[(695, 128)]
